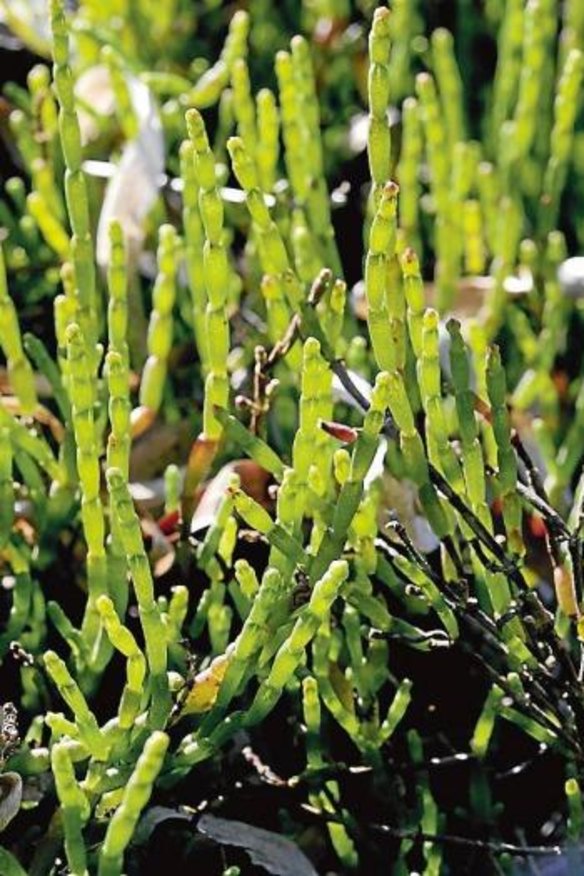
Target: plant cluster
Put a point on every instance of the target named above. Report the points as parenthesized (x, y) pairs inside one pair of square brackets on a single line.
[(372, 483)]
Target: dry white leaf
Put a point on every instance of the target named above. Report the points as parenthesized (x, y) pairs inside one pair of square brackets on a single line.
[(94, 89), (133, 189)]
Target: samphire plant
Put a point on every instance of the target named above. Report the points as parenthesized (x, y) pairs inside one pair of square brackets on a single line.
[(358, 510)]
